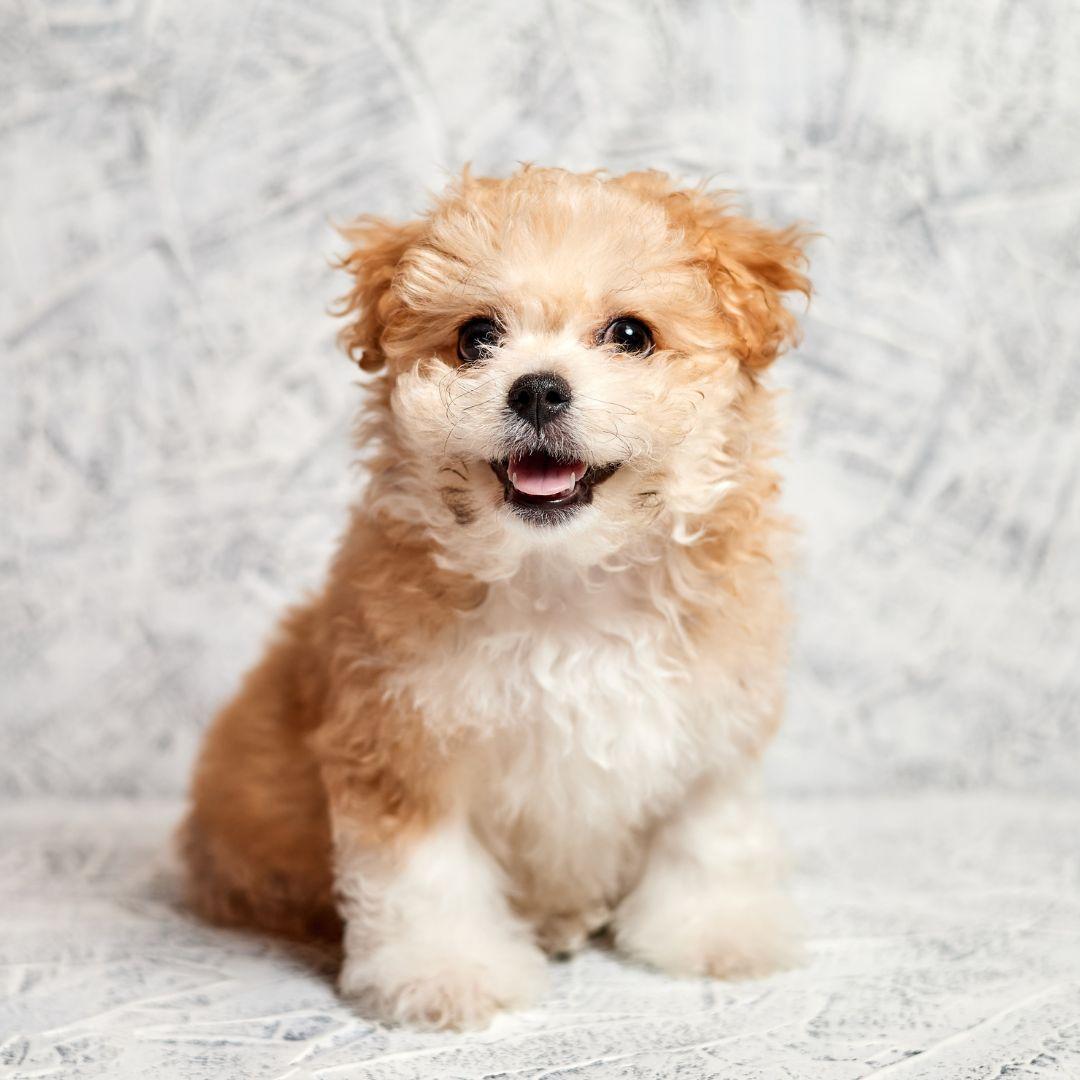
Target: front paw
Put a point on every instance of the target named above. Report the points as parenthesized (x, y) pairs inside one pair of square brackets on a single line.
[(440, 985), (738, 933)]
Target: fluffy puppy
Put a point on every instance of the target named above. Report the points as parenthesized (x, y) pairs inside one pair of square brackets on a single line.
[(530, 701)]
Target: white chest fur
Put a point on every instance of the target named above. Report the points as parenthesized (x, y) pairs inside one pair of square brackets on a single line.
[(590, 717)]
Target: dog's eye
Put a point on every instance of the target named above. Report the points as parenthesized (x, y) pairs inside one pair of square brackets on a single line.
[(475, 338), (629, 336)]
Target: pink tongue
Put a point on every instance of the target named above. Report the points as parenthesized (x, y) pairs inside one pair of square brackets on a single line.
[(539, 475)]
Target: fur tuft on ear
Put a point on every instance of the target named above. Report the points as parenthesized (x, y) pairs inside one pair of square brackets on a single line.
[(749, 266), (377, 247)]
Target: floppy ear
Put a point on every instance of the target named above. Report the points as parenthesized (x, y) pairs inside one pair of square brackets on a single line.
[(377, 247), (749, 266)]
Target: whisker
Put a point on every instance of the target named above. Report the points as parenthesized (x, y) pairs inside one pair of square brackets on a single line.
[(449, 436), (445, 390), (475, 404), (613, 404), (479, 386)]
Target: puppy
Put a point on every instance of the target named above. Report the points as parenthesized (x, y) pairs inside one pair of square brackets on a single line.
[(530, 701)]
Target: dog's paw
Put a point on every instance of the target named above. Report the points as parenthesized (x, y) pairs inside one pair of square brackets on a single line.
[(443, 986), (734, 934)]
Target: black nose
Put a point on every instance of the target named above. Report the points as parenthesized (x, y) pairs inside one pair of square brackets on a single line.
[(539, 397)]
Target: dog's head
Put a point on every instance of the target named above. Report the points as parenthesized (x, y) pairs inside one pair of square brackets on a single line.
[(568, 362)]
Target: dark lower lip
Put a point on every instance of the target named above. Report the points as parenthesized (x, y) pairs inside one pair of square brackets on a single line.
[(545, 510)]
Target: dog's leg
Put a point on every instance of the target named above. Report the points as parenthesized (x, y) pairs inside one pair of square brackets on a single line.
[(710, 901), (429, 936)]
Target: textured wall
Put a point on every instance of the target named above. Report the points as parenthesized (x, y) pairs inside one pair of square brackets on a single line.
[(175, 417)]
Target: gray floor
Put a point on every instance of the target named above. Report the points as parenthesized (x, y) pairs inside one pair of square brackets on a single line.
[(945, 942)]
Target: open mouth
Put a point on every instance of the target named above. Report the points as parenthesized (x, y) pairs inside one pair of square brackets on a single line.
[(545, 489)]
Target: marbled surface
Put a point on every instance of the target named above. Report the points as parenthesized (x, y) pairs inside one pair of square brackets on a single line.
[(944, 942), (174, 450)]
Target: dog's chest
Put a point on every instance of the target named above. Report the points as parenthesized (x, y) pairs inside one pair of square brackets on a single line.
[(588, 720)]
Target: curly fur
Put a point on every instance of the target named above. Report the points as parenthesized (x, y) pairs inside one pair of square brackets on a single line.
[(484, 736)]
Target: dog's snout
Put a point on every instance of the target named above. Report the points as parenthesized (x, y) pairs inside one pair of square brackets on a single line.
[(539, 397)]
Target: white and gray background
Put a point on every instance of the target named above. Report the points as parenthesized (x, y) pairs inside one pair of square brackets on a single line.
[(175, 459)]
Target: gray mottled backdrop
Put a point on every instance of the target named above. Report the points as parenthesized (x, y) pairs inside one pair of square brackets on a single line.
[(175, 454)]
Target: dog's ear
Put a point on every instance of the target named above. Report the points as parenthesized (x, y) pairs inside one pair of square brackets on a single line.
[(376, 247), (749, 266)]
